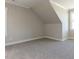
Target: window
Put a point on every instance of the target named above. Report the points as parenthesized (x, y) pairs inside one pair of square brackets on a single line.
[(72, 19)]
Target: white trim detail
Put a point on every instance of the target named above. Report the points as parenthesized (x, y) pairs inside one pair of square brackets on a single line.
[(53, 38), (21, 41), (26, 40)]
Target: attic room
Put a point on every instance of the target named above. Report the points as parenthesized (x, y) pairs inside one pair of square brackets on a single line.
[(39, 29)]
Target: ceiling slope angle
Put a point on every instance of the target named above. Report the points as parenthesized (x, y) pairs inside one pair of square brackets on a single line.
[(43, 8), (63, 16), (46, 12)]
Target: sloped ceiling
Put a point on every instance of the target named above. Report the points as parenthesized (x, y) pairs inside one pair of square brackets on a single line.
[(68, 4), (24, 3), (43, 8), (29, 3), (46, 12)]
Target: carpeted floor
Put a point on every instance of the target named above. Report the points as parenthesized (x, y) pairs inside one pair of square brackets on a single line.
[(41, 49)]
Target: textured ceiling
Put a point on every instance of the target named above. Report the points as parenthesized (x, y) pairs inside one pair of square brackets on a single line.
[(68, 4)]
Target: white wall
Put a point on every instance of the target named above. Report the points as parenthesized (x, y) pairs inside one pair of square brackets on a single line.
[(22, 24), (53, 30), (63, 16), (53, 25)]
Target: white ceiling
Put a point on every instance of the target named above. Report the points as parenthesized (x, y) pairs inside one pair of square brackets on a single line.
[(24, 3), (46, 13), (68, 4)]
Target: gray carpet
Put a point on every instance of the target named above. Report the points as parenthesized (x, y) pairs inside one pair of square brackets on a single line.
[(41, 49)]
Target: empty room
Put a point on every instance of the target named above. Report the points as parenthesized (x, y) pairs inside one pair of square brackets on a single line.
[(39, 29)]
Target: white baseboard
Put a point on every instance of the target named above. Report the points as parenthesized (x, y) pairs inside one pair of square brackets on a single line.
[(53, 38), (21, 41), (26, 40)]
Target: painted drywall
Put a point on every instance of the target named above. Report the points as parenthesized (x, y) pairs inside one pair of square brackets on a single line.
[(53, 30), (53, 14), (68, 4), (46, 12), (22, 24), (63, 16), (53, 25)]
